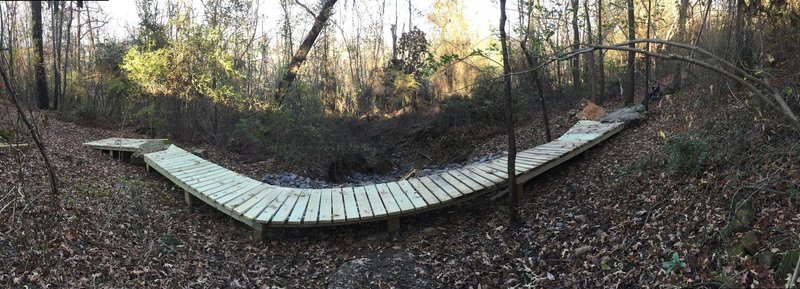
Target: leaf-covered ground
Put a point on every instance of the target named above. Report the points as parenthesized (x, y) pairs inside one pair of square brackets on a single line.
[(609, 219)]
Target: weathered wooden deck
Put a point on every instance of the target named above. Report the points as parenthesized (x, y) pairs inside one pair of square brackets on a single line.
[(261, 205)]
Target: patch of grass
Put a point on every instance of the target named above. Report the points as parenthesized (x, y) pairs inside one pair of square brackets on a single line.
[(688, 155)]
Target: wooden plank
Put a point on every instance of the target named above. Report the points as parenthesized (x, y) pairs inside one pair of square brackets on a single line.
[(298, 212), (362, 202), (215, 177), (177, 161), (206, 188), (263, 201), (215, 187), (432, 187), (338, 210), (326, 206), (441, 184), (492, 171), (277, 202), (403, 203), (254, 199), (389, 201), (285, 210), (408, 201), (378, 206), (501, 166), (487, 176), (472, 183), (532, 155), (195, 170), (311, 216), (456, 183), (350, 204), (428, 198), (240, 188), (522, 164), (236, 198)]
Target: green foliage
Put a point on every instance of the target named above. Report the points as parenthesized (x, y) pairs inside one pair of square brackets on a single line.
[(673, 264), (687, 155), (86, 113), (190, 68)]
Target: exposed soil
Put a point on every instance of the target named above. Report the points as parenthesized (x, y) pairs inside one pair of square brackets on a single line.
[(608, 219)]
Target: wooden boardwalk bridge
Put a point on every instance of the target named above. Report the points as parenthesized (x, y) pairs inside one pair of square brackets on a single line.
[(262, 205)]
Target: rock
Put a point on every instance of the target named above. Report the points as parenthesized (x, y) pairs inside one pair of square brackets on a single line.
[(137, 158), (200, 153), (395, 268), (627, 114), (429, 231), (743, 217), (786, 267), (768, 259), (736, 250), (582, 250), (750, 242)]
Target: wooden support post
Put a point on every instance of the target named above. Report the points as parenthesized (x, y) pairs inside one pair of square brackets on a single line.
[(521, 188), (111, 153), (394, 224), (187, 196), (259, 232), (147, 167)]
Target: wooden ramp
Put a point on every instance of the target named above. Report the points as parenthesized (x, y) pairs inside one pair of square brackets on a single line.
[(262, 205)]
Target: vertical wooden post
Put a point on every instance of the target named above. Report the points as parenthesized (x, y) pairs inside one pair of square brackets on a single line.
[(147, 167), (393, 224), (259, 232), (187, 196), (520, 187)]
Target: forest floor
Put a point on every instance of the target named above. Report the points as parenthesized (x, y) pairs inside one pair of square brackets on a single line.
[(610, 219)]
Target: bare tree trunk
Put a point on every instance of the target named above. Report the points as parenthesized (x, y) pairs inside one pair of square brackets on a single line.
[(678, 77), (56, 20), (38, 45), (66, 54), (512, 143), (629, 76), (576, 42), (302, 52), (590, 72), (601, 72), (535, 74), (647, 47)]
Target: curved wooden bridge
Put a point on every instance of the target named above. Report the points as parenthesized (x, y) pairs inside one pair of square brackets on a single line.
[(262, 205)]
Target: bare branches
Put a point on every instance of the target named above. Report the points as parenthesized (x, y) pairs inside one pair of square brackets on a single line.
[(737, 74), (31, 129)]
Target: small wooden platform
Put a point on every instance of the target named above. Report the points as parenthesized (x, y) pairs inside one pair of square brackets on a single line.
[(261, 205), (120, 144)]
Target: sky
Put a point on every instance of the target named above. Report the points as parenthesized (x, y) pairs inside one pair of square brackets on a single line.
[(482, 15)]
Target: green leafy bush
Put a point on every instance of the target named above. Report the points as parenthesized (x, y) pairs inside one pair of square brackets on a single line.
[(687, 155)]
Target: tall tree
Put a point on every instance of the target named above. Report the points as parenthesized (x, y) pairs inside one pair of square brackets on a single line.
[(601, 73), (302, 52), (590, 71), (42, 97), (682, 36), (533, 62), (576, 41), (629, 77), (647, 69), (512, 142)]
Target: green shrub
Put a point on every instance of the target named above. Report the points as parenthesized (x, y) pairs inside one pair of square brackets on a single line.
[(86, 113), (687, 155)]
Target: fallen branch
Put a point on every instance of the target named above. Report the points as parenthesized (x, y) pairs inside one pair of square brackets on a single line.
[(31, 129), (793, 281)]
